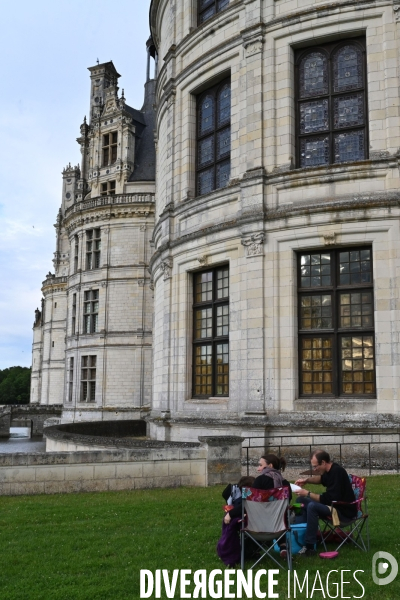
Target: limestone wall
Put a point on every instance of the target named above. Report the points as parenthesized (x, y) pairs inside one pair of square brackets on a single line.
[(67, 472), (148, 465)]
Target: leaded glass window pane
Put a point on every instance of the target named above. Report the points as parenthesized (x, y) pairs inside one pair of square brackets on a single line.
[(214, 139), (316, 312), (207, 115), (221, 4), (314, 151), (224, 143), (207, 14), (336, 74), (358, 364), (206, 181), (204, 323), (348, 110), (222, 370), (223, 174), (208, 8), (206, 151), (204, 287), (348, 69), (203, 370), (222, 320), (314, 75), (315, 269), (222, 283), (349, 146), (224, 105), (355, 267), (356, 309), (314, 116), (211, 332), (342, 311), (317, 365)]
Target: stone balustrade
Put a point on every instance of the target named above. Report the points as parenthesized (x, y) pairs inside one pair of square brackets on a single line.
[(109, 201)]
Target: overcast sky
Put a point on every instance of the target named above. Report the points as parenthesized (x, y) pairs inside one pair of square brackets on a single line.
[(46, 48)]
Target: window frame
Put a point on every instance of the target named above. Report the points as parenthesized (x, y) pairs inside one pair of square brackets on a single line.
[(91, 298), (93, 255), (108, 188), (329, 49), (214, 340), (76, 254), (90, 387), (70, 379), (73, 319), (214, 92), (204, 10), (109, 148), (336, 333)]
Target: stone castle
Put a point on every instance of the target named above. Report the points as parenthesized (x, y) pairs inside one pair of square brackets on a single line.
[(228, 257)]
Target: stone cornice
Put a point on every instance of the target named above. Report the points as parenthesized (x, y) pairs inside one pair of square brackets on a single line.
[(351, 202)]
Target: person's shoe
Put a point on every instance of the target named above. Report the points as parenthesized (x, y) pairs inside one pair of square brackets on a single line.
[(283, 553), (307, 551)]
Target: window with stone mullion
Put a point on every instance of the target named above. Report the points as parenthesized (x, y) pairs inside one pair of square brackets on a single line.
[(213, 138), (331, 104), (336, 325)]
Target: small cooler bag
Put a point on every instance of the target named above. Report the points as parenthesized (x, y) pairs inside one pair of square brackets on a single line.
[(298, 534)]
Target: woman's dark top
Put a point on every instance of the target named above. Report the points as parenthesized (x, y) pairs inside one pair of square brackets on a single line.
[(263, 482)]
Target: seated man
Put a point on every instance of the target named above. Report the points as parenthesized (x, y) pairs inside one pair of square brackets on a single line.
[(338, 488)]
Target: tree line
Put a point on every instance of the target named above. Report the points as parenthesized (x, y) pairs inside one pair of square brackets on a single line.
[(15, 385)]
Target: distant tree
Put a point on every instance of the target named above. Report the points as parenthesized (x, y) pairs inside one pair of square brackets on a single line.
[(15, 385)]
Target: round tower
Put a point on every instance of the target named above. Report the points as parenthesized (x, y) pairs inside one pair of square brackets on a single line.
[(276, 240)]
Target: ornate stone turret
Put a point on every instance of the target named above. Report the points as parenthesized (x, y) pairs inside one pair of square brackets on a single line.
[(103, 77)]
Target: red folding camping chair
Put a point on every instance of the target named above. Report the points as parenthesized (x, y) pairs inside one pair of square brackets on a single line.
[(266, 522), (350, 530)]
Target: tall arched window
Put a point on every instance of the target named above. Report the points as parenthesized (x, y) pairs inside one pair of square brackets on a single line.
[(331, 104), (214, 138)]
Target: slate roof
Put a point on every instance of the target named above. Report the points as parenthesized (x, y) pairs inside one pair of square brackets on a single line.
[(145, 153)]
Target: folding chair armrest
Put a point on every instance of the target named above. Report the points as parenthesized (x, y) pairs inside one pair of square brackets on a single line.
[(347, 503)]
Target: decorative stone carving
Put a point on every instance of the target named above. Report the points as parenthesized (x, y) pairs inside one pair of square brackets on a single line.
[(166, 268), (253, 47), (396, 9), (330, 238), (254, 245), (143, 228), (203, 260), (141, 282)]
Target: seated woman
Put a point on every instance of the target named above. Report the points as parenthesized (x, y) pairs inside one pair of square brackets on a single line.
[(271, 468)]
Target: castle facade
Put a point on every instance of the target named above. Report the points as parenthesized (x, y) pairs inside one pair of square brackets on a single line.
[(274, 229)]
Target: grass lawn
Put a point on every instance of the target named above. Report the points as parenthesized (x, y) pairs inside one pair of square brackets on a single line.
[(92, 546)]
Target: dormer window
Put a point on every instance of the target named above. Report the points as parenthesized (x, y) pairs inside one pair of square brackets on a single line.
[(110, 146), (108, 188)]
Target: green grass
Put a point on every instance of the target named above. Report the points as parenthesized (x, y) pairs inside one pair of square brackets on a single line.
[(92, 546)]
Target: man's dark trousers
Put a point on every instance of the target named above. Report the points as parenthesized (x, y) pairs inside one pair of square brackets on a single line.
[(312, 512)]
